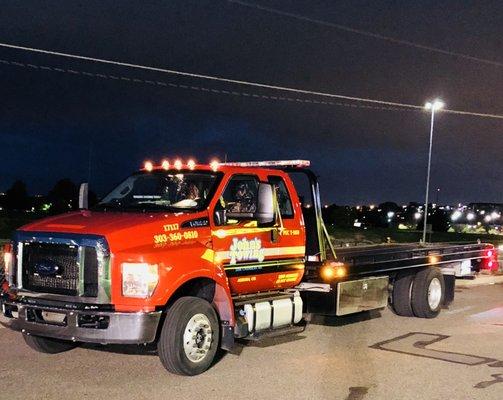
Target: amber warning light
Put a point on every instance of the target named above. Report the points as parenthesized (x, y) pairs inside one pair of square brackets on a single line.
[(333, 270)]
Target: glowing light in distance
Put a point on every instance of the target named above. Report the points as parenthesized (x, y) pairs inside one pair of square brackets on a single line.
[(456, 215), (435, 105), (148, 166), (417, 215), (470, 216), (391, 214)]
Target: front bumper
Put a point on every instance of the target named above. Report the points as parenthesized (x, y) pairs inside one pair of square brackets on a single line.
[(82, 326)]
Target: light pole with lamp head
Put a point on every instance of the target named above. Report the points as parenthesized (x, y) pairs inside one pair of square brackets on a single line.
[(434, 106)]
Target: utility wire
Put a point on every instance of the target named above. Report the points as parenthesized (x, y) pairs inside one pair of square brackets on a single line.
[(366, 33), (238, 82), (77, 72)]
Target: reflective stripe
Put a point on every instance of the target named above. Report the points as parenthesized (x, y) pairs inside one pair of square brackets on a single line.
[(208, 255), (222, 233), (268, 267)]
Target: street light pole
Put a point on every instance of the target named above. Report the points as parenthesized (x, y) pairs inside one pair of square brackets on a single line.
[(433, 106)]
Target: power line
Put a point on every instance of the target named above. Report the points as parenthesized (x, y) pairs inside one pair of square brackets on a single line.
[(366, 33), (200, 88), (238, 82)]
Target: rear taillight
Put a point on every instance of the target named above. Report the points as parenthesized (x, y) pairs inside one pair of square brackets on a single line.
[(491, 262)]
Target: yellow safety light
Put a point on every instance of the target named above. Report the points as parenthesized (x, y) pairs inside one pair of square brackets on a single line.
[(165, 164), (434, 259), (333, 271), (191, 164), (178, 164), (148, 166), (214, 165)]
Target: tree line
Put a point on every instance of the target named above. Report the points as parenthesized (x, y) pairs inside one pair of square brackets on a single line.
[(62, 197)]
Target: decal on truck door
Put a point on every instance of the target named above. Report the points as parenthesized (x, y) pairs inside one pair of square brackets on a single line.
[(246, 250)]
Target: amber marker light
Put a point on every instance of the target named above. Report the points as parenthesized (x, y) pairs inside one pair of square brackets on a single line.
[(333, 270), (178, 164), (148, 166), (434, 259), (214, 165), (165, 164), (191, 164)]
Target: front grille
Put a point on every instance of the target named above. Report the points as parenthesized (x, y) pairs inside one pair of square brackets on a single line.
[(51, 268), (55, 268)]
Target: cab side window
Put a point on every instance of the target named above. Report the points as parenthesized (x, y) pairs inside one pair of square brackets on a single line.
[(239, 198), (284, 201)]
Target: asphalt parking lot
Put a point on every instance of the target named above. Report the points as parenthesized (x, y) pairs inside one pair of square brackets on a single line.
[(370, 356)]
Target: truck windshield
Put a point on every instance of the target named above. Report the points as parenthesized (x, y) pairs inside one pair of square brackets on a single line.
[(163, 191)]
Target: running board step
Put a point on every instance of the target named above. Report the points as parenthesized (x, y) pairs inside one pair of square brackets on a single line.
[(271, 333)]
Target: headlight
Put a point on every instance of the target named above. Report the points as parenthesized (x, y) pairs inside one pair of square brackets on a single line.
[(139, 279)]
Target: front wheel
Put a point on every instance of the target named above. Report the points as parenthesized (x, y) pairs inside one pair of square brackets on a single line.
[(189, 337), (48, 345)]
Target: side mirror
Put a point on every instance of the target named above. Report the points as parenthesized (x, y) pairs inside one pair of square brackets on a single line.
[(84, 196), (220, 217), (265, 204)]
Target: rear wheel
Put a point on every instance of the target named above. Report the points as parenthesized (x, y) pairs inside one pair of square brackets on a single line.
[(428, 293), (48, 345), (401, 295), (189, 337)]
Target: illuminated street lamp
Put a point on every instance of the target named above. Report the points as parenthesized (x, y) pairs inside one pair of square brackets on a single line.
[(434, 106)]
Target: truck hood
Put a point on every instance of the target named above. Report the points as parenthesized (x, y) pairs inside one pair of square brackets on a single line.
[(114, 226)]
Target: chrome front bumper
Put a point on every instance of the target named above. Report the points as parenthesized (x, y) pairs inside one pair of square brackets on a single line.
[(83, 326)]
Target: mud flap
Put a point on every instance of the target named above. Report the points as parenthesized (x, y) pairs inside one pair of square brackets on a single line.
[(227, 341)]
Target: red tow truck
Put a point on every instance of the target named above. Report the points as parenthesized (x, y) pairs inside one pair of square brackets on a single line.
[(193, 257)]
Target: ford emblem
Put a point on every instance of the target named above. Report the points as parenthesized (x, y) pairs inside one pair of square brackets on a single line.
[(46, 268)]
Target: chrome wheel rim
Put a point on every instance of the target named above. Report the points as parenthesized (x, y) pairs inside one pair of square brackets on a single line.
[(197, 338), (434, 293)]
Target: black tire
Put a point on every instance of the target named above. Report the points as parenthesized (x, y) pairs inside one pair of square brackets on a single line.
[(171, 341), (420, 293), (401, 295), (48, 345)]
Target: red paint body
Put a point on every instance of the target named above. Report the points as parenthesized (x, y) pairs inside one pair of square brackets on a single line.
[(130, 237)]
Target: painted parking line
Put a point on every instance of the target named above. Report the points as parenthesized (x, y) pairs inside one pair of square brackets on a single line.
[(415, 344)]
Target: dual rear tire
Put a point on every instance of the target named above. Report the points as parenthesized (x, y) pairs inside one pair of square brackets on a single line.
[(418, 294)]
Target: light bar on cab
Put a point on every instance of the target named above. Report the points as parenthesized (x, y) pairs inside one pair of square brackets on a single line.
[(191, 164), (273, 163)]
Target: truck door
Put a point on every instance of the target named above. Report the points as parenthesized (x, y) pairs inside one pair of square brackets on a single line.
[(257, 257)]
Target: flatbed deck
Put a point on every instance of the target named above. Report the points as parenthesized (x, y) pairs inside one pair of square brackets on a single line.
[(367, 260)]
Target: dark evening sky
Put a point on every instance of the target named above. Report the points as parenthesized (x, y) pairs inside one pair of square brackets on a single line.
[(52, 121)]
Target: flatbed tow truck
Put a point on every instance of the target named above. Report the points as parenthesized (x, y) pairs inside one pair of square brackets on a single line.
[(193, 257)]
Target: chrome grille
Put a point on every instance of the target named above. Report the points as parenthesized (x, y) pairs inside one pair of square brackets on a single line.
[(51, 268)]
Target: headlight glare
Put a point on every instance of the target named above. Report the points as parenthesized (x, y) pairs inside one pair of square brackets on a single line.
[(139, 279)]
